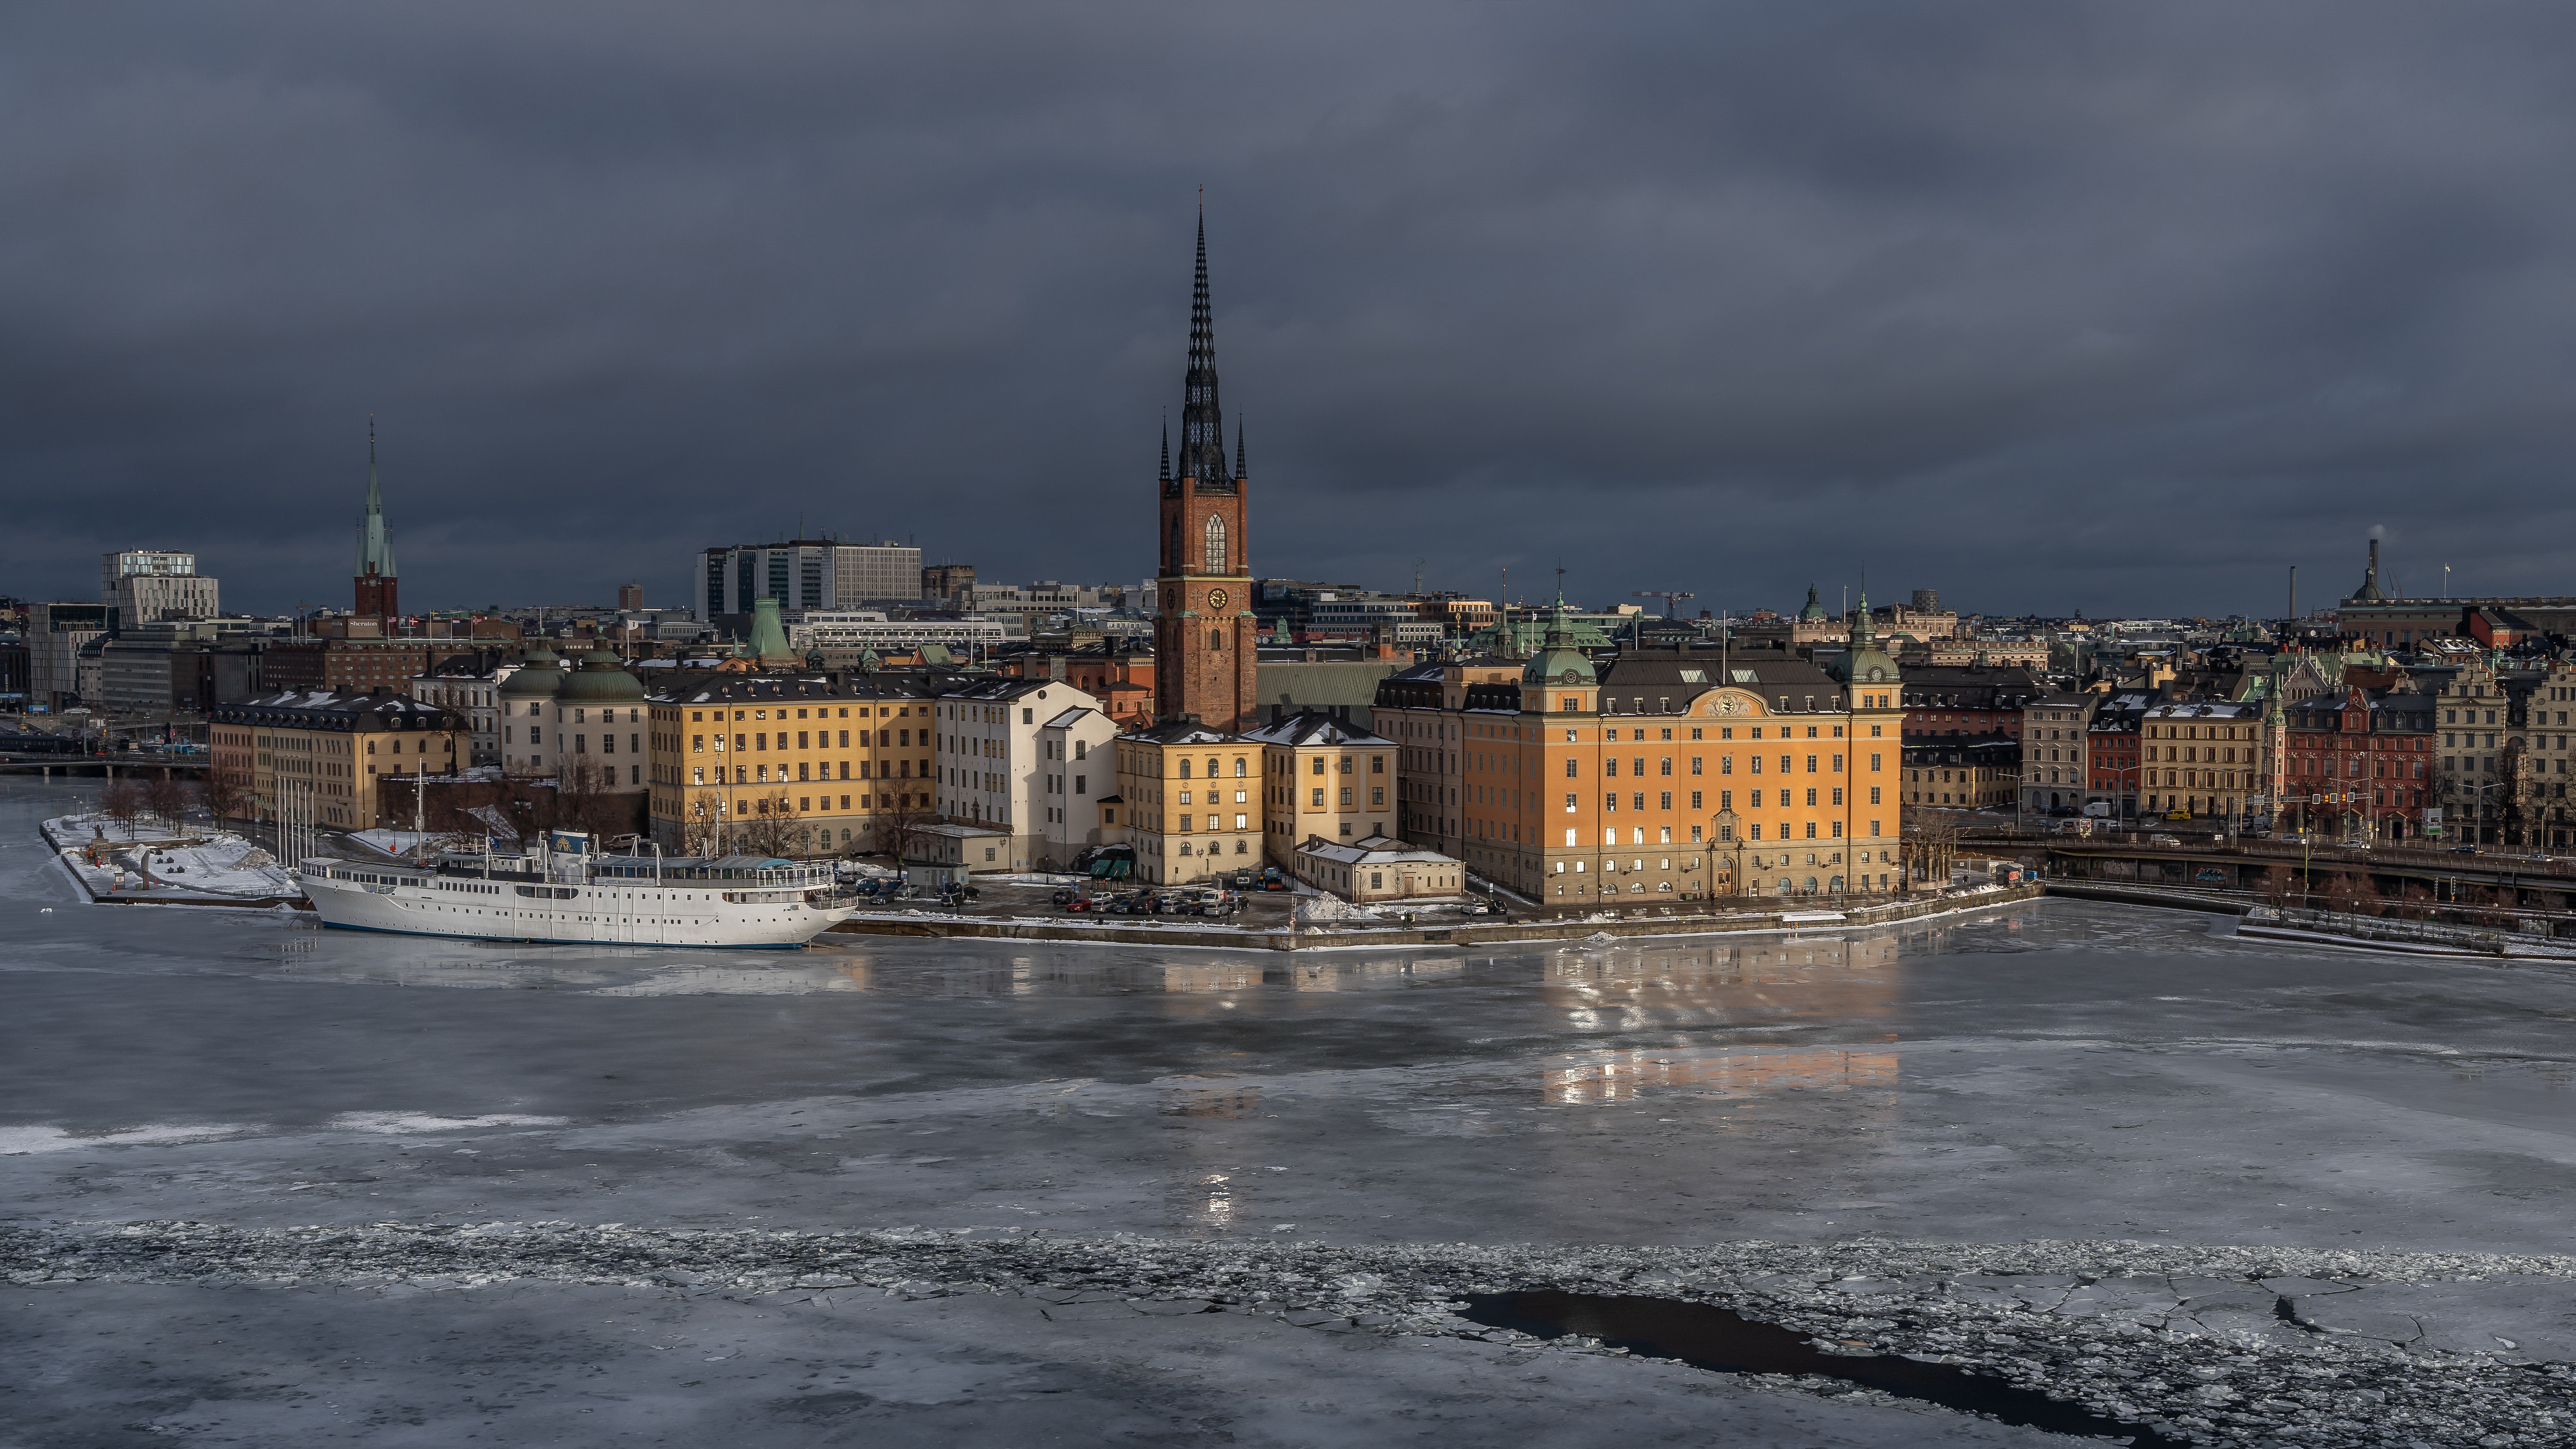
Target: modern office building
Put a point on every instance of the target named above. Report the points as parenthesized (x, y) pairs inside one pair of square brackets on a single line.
[(149, 585), (805, 573), (55, 634)]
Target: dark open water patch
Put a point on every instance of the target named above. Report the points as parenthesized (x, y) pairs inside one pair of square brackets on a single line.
[(1709, 1337)]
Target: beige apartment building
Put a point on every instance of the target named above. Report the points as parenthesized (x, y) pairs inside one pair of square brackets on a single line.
[(1187, 801), (1323, 778), (331, 752)]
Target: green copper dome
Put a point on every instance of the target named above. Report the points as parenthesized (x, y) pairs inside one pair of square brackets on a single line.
[(1864, 662), (602, 678), (538, 676), (1559, 662), (1814, 613)]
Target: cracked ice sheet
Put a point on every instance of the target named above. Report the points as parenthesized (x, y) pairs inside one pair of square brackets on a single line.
[(2058, 1071)]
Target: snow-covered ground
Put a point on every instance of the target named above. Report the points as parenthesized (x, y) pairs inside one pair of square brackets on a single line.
[(150, 860)]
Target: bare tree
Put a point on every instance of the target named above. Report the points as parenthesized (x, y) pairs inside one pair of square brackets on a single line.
[(1930, 850), (165, 797), (2280, 887), (122, 802), (771, 826), (2416, 902), (2352, 894), (898, 827), (702, 823), (584, 800), (224, 792)]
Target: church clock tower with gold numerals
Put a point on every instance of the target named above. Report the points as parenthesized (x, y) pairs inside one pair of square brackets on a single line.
[(1204, 633)]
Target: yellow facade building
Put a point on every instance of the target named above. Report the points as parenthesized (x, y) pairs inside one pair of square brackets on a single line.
[(1323, 778), (1684, 774), (806, 765), (1188, 801), (332, 752)]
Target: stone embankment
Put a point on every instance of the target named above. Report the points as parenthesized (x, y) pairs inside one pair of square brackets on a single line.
[(1465, 931)]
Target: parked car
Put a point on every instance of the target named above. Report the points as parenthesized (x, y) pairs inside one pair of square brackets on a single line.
[(1078, 904), (1063, 895), (2164, 840)]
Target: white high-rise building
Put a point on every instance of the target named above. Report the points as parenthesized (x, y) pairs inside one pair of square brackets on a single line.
[(149, 585)]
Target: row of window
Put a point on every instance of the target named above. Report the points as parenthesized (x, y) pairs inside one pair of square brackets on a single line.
[(757, 741), (883, 711), (807, 770)]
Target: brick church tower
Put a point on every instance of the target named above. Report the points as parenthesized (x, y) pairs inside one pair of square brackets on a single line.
[(375, 576), (1204, 633)]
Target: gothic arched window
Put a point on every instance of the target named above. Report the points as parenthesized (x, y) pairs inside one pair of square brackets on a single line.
[(1174, 553), (1215, 544), (1216, 640)]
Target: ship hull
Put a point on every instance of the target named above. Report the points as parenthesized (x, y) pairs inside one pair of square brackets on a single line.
[(625, 914)]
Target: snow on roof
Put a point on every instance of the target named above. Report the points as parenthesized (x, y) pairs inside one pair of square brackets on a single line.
[(1374, 850), (1315, 729)]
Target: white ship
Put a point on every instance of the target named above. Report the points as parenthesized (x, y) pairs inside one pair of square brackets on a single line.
[(566, 892)]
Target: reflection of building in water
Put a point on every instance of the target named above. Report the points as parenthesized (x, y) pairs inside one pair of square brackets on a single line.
[(1349, 975), (1755, 983), (1212, 1102), (1725, 1071), (1211, 978), (741, 981), (1202, 1194)]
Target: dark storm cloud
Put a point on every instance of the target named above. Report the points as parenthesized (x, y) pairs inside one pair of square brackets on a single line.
[(2119, 307)]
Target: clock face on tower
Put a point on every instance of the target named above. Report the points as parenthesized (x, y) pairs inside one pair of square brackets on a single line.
[(1216, 598)]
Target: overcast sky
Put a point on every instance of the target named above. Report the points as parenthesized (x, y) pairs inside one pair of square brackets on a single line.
[(2121, 307)]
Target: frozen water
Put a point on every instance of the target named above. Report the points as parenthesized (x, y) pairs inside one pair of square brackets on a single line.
[(2137, 1132)]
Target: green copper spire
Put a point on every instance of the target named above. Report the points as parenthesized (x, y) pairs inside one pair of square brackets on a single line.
[(769, 636), (375, 548)]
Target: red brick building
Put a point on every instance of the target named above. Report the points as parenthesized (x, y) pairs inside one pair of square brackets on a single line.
[(1205, 637), (2353, 758)]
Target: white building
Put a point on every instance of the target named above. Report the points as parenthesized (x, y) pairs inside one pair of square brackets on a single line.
[(805, 574), (994, 763), (473, 693), (1044, 599), (871, 629), (146, 586), (1072, 782), (1375, 869)]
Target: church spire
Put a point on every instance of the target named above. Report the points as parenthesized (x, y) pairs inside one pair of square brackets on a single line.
[(1202, 420), (375, 570), (1239, 473), (1166, 474), (375, 546)]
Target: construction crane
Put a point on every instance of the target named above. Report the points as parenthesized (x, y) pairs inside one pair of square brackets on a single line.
[(1672, 599)]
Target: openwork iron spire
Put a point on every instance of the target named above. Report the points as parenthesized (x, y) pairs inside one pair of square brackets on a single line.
[(1166, 473), (1239, 473), (1202, 421)]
